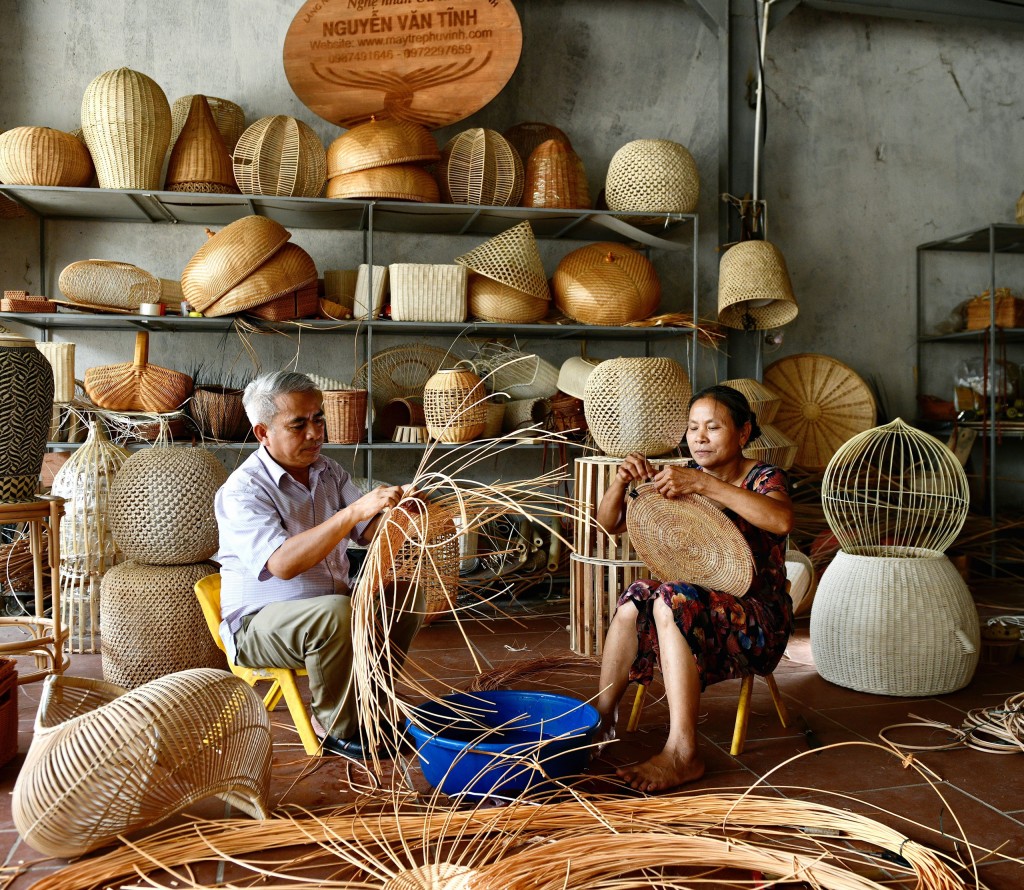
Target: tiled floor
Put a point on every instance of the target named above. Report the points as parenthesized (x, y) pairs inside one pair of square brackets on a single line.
[(985, 792)]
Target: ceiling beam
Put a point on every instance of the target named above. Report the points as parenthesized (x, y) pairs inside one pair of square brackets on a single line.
[(998, 13)]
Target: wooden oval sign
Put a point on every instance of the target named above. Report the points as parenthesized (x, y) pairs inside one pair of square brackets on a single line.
[(434, 62)]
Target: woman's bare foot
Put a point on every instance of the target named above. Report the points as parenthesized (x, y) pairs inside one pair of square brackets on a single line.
[(664, 770)]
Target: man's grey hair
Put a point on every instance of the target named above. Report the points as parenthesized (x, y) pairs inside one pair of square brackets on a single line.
[(260, 396)]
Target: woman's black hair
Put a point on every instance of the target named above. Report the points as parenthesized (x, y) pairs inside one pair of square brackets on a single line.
[(734, 402)]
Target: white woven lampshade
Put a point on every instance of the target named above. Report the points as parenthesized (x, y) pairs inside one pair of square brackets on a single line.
[(754, 290)]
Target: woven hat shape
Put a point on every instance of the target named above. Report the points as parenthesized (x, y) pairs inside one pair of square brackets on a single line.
[(772, 447), (287, 270), (606, 284), (399, 182), (824, 403), (894, 488), (511, 258), (41, 156), (380, 143), (763, 401), (652, 174), (526, 136), (137, 385), (637, 404), (126, 123), (161, 505), (555, 177), (479, 166), (688, 539), (280, 155), (493, 301), (228, 256), (754, 290), (574, 373), (200, 161), (108, 284), (400, 372), (228, 117)]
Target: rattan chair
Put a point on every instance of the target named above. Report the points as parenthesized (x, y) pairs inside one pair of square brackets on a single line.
[(282, 680)]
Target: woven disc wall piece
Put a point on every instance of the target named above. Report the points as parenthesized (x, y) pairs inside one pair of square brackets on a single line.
[(126, 122), (400, 372), (526, 136), (398, 182), (493, 301), (824, 403), (652, 174), (380, 143), (754, 290), (606, 284), (688, 539), (291, 268), (161, 505), (105, 284), (772, 447), (511, 258), (200, 161), (454, 405), (555, 177), (41, 156), (478, 166), (280, 155), (228, 117), (764, 402)]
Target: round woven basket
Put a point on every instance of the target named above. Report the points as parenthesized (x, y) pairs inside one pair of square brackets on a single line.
[(229, 118), (218, 413), (764, 402), (290, 269), (511, 258), (41, 156), (754, 290), (479, 166), (345, 415), (637, 404), (399, 182), (280, 155), (400, 372), (688, 539), (161, 505), (653, 175), (491, 300), (555, 177), (381, 143), (895, 625), (772, 447), (126, 123), (606, 284), (526, 136), (151, 623), (454, 405), (574, 373), (104, 284), (200, 161), (26, 379)]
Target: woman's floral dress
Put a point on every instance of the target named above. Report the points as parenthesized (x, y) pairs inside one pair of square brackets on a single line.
[(730, 636)]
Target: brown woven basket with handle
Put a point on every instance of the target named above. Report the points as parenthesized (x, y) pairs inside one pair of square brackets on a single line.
[(137, 385)]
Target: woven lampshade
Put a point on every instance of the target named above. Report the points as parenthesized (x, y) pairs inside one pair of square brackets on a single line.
[(454, 405), (479, 166), (280, 155), (754, 290), (688, 539), (228, 117), (764, 402), (606, 284), (61, 357), (109, 284), (772, 447), (200, 161), (289, 269), (41, 156), (126, 122), (654, 175), (380, 143), (511, 258), (574, 373), (637, 404), (400, 372), (137, 385), (398, 182), (493, 301), (525, 137), (894, 488), (555, 177)]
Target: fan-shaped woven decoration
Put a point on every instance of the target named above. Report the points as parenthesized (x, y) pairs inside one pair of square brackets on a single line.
[(137, 385), (399, 182), (824, 403), (772, 447), (555, 177), (290, 269), (280, 155), (400, 372), (380, 143), (479, 166), (607, 284), (754, 290), (105, 762), (895, 625), (654, 175), (161, 505), (126, 123), (688, 539), (512, 259), (454, 405), (200, 161), (229, 118), (491, 300), (109, 284), (763, 401), (525, 137), (637, 404), (41, 156), (894, 487)]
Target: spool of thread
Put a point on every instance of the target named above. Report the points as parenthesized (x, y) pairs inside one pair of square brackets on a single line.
[(152, 309)]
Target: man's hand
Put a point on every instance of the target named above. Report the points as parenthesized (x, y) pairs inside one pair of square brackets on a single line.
[(377, 501)]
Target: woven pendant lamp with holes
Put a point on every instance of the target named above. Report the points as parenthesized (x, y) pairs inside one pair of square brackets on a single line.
[(606, 284), (280, 155), (654, 175), (454, 405), (126, 123), (42, 156), (228, 117), (764, 402), (200, 161), (479, 166), (824, 403), (381, 143), (754, 290), (555, 177)]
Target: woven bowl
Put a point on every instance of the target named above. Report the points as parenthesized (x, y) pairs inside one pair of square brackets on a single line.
[(399, 182), (290, 269), (280, 155), (199, 160), (41, 156), (229, 118), (381, 143), (653, 175), (493, 301), (555, 177), (479, 166), (511, 258), (526, 136), (606, 284)]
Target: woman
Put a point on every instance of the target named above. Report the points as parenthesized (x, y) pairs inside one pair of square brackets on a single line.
[(699, 636)]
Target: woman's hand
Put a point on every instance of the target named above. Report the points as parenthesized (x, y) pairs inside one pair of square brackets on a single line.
[(675, 481), (611, 512), (635, 468)]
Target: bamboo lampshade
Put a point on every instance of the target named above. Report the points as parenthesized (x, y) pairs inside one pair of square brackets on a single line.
[(396, 182), (764, 402), (772, 447), (454, 405), (511, 258), (653, 175), (606, 284), (200, 161), (109, 284), (479, 166), (526, 136), (555, 177), (280, 155), (228, 117), (42, 156), (491, 300), (380, 143), (754, 290)]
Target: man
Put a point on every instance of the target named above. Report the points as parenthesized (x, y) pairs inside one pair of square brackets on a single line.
[(286, 517)]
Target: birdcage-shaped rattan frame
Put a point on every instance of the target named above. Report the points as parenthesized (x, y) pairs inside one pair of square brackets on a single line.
[(280, 155)]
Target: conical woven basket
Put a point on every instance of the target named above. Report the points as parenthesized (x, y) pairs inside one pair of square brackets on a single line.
[(109, 284), (41, 156), (399, 182), (126, 123), (381, 143), (289, 269), (137, 385), (654, 175), (493, 301), (280, 155), (555, 177), (454, 405), (526, 136), (511, 258), (764, 402), (200, 161), (479, 166), (754, 290), (772, 447), (400, 372), (606, 284), (229, 118)]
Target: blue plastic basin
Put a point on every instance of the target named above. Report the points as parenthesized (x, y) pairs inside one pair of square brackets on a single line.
[(486, 743)]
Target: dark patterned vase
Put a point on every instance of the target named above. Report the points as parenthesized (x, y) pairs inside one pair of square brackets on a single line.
[(26, 397)]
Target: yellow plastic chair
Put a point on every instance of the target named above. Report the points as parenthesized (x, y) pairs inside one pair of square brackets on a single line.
[(282, 680)]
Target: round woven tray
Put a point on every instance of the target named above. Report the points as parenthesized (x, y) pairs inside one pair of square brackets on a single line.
[(381, 143), (400, 182), (479, 166), (290, 269), (400, 372), (280, 155), (653, 175), (688, 539), (511, 258), (41, 156), (606, 284), (824, 403)]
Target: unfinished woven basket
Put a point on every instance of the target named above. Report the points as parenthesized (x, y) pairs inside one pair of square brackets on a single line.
[(491, 300), (526, 136), (606, 284), (289, 269), (381, 143), (126, 123), (555, 177), (200, 161), (399, 182), (764, 402), (161, 505), (108, 284), (137, 385), (454, 405), (772, 447), (517, 374), (754, 290), (105, 762), (280, 155), (688, 539), (229, 118), (41, 156), (637, 404), (511, 258), (427, 292), (345, 415), (653, 175), (400, 372), (479, 166)]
